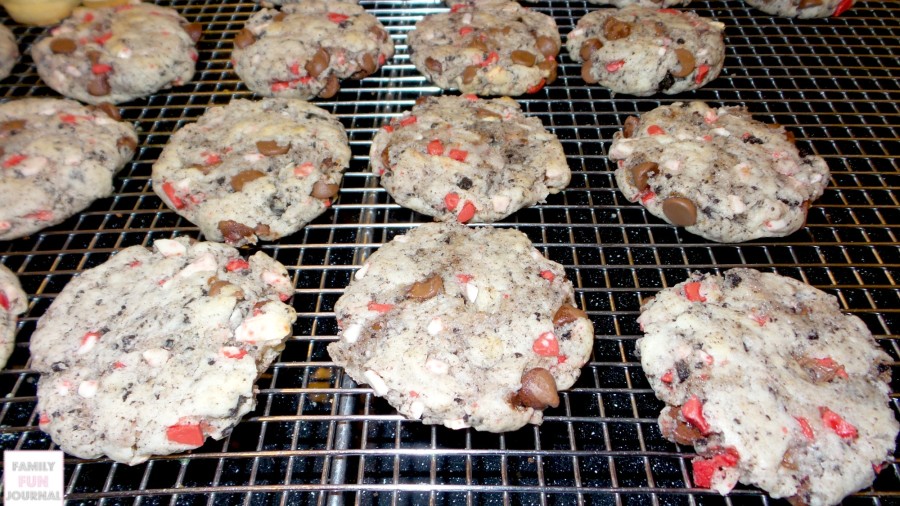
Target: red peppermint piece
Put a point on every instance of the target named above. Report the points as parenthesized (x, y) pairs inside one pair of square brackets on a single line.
[(702, 70), (234, 352), (760, 319), (537, 87), (704, 469), (459, 155), (304, 169), (841, 427), (14, 160), (466, 213), (471, 97), (842, 7), (646, 195), (4, 301), (613, 66), (335, 17), (466, 30), (546, 345), (692, 410), (280, 86), (457, 7), (464, 278), (830, 364), (88, 17), (436, 148), (561, 359), (409, 120), (668, 377), (212, 159), (388, 128), (68, 118), (169, 190), (379, 308), (101, 68), (187, 434), (90, 338), (492, 58), (119, 365), (43, 419), (381, 59), (805, 427), (668, 11), (548, 275), (295, 68), (451, 200), (237, 264), (692, 292), (102, 39), (655, 130)]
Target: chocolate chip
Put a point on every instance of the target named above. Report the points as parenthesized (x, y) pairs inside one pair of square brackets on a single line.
[(547, 46), (567, 314), (479, 45), (614, 29), (806, 4), (234, 232), (641, 173), (318, 63), (538, 390), (464, 183), (244, 38), (386, 158), (94, 57), (322, 190), (63, 46), (789, 136), (588, 47), (109, 110), (271, 148), (667, 81), (262, 230), (549, 66), (379, 33), (586, 72), (217, 286), (194, 31), (368, 64), (424, 290), (686, 63), (433, 65), (523, 58), (469, 74), (631, 124), (680, 211), (331, 87), (98, 86), (278, 18), (129, 143), (12, 126), (242, 178)]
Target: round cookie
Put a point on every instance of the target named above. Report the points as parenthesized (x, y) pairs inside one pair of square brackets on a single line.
[(13, 302), (475, 3), (643, 3), (463, 158), (117, 54), (772, 385), (641, 51), (253, 170), (57, 156), (465, 327), (305, 49), (490, 49), (9, 51), (803, 8), (717, 172), (155, 350)]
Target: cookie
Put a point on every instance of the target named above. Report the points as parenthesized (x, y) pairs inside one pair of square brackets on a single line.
[(57, 156), (475, 3), (717, 172), (465, 327), (464, 158), (772, 385), (9, 51), (306, 49), (155, 350), (641, 51), (117, 54), (643, 3), (253, 170), (13, 302), (803, 8), (490, 49)]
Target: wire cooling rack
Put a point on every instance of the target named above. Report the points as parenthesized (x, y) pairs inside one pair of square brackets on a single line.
[(317, 438)]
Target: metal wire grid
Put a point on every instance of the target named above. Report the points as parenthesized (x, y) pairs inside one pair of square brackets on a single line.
[(316, 438)]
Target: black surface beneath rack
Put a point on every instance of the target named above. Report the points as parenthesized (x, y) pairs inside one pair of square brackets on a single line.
[(315, 438)]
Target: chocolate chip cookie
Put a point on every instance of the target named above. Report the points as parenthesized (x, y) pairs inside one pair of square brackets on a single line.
[(803, 8), (13, 302)]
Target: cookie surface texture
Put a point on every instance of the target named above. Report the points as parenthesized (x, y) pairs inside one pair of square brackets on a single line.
[(9, 51), (117, 54), (155, 350), (717, 172), (57, 157), (13, 302), (489, 49), (642, 51), (771, 383), (306, 49), (464, 158), (253, 169), (803, 8), (465, 327)]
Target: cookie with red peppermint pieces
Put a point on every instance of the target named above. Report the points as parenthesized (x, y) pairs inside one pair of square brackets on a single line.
[(717, 172), (117, 54), (157, 349), (13, 302), (771, 383), (253, 170), (467, 159), (9, 51), (56, 158), (643, 3), (491, 48), (464, 327), (304, 50), (643, 51), (803, 8)]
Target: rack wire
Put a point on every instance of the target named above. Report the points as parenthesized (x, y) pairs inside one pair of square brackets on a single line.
[(317, 438)]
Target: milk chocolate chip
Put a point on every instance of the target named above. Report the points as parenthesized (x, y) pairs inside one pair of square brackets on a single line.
[(271, 148), (368, 64), (13, 125), (586, 72), (538, 390), (194, 31), (241, 178), (98, 86), (244, 38), (547, 46), (588, 47), (685, 63), (322, 190), (680, 211), (424, 290), (234, 232), (318, 63), (469, 74), (523, 58), (220, 285), (549, 66), (63, 46), (331, 87), (806, 4), (631, 124), (614, 29), (567, 314), (433, 65), (129, 143), (642, 172), (109, 110)]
